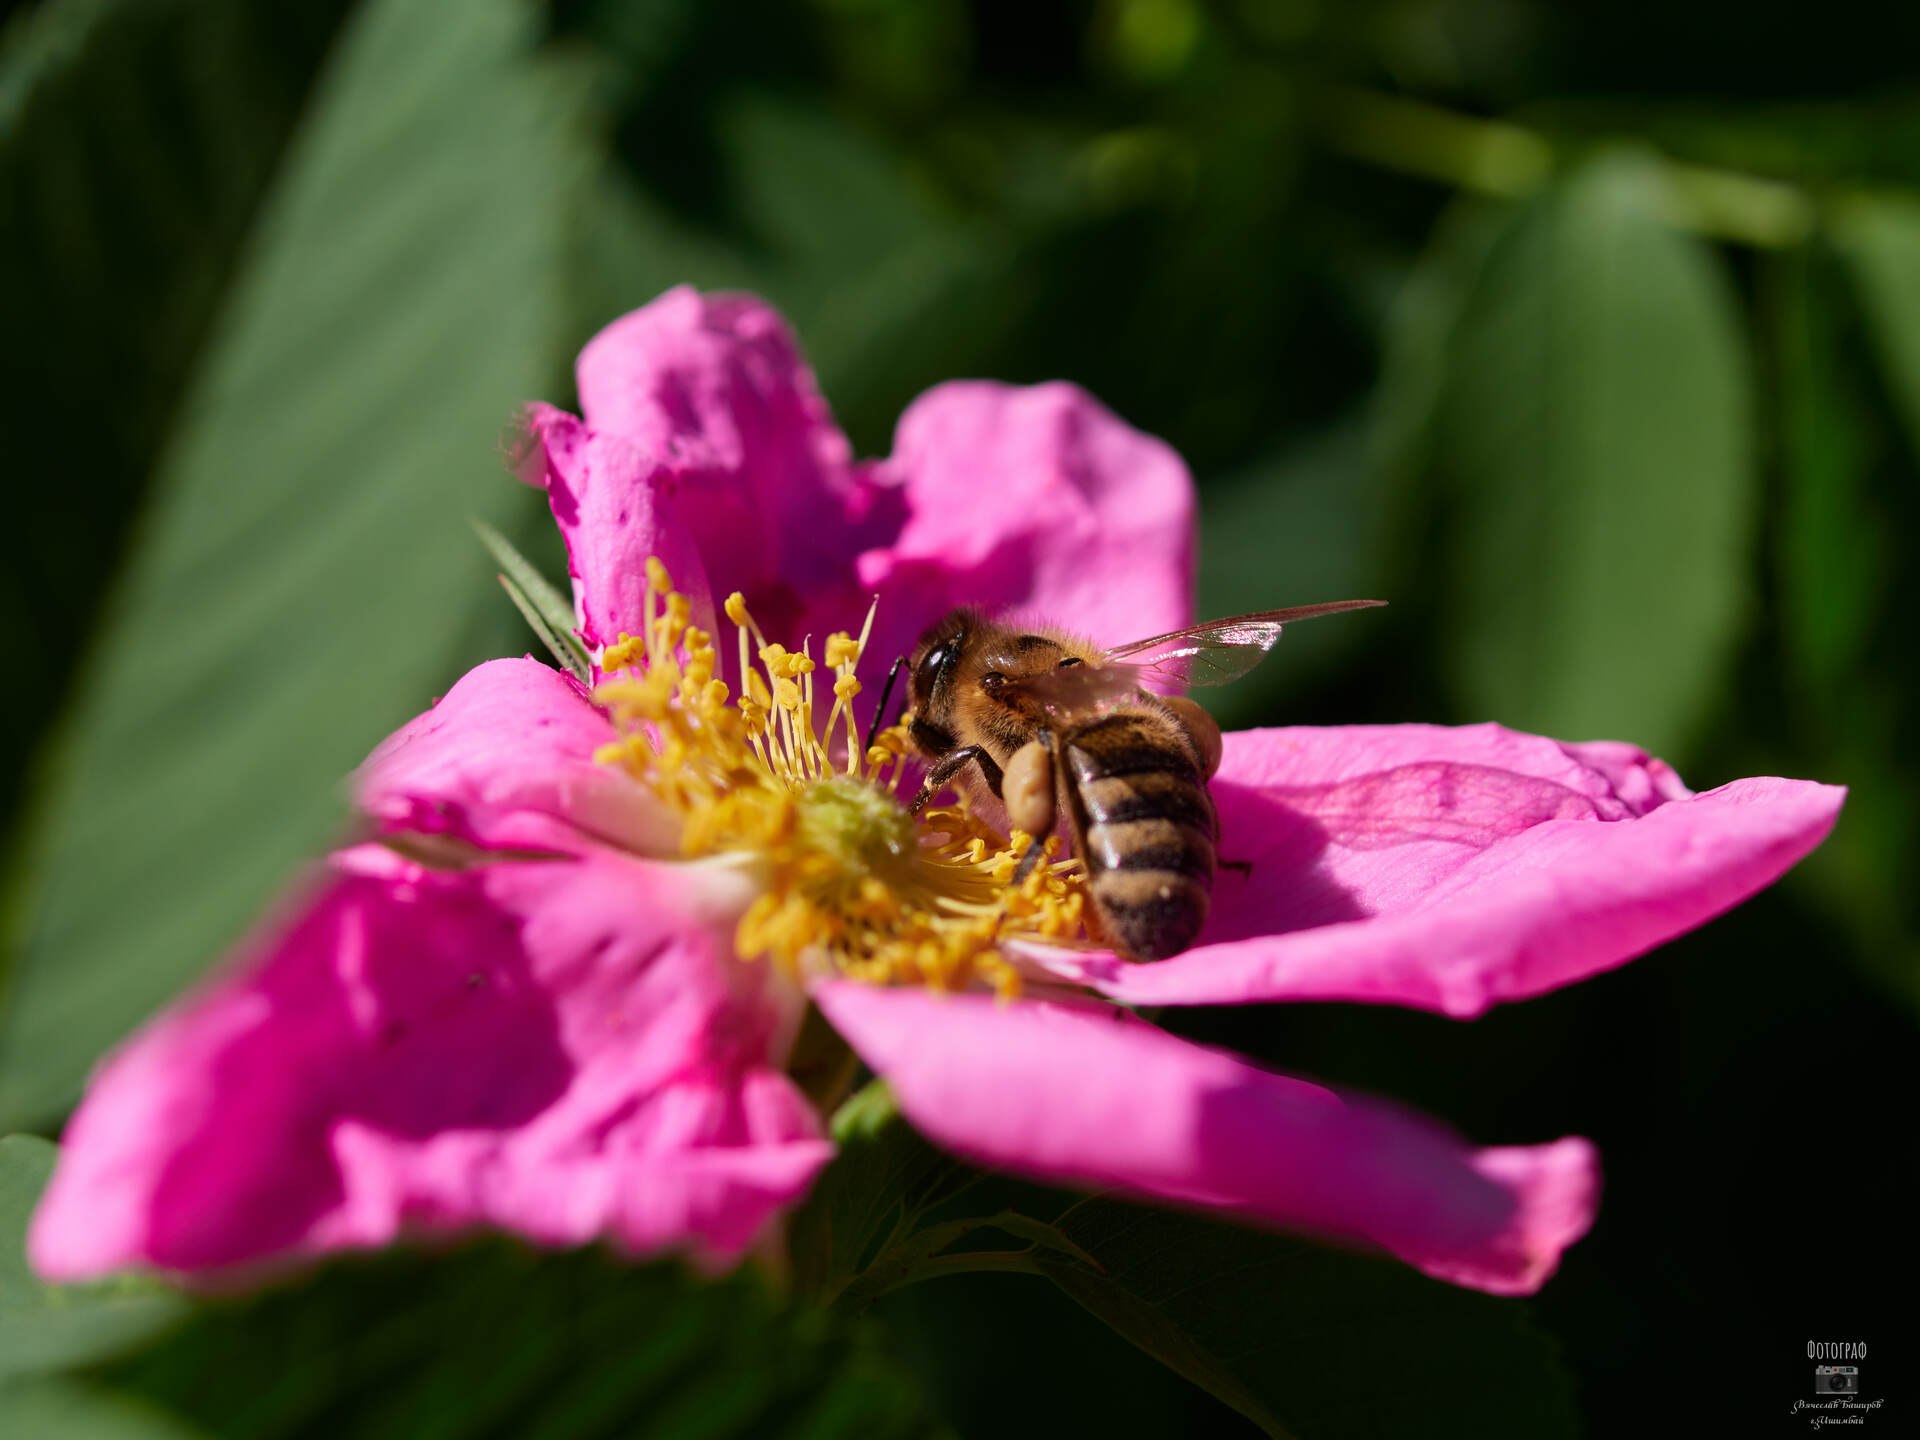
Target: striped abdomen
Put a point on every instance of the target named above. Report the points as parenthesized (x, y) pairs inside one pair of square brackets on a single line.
[(1148, 827)]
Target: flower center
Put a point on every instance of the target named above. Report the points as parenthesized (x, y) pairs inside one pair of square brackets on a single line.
[(854, 885)]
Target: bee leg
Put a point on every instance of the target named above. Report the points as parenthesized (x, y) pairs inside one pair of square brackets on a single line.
[(880, 711), (1202, 731), (945, 768), (1028, 861)]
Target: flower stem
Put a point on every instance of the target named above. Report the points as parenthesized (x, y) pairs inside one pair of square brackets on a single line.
[(1505, 161)]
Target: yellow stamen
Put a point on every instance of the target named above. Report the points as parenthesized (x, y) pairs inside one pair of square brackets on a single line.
[(854, 885)]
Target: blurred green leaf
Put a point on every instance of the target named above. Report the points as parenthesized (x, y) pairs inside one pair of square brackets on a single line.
[(304, 568), (1307, 525), (1879, 238), (55, 1409), (1149, 1327), (137, 141), (1829, 544), (1334, 1345), (496, 1340), (884, 1178), (47, 1327), (1594, 436), (882, 289)]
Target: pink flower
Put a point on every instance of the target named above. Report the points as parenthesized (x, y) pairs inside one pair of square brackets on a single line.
[(556, 991)]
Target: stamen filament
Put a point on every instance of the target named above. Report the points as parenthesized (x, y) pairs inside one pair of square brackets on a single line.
[(856, 887)]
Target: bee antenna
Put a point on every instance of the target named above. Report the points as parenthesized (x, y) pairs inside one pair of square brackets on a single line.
[(886, 693)]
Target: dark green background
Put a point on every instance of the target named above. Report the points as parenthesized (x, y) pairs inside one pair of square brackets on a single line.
[(1587, 334)]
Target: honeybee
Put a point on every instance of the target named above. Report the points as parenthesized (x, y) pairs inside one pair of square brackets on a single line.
[(1053, 727)]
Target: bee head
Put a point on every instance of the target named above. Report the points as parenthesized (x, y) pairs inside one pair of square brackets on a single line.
[(935, 659)]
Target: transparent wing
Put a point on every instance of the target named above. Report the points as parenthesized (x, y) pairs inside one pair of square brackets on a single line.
[(1215, 652), (1082, 692)]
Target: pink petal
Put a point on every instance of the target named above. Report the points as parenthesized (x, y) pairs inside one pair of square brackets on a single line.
[(615, 504), (703, 412), (713, 390), (1041, 501), (1451, 870), (566, 1049), (505, 760), (1095, 1097)]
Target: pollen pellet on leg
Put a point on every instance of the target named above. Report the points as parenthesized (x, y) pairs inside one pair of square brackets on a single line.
[(1027, 788)]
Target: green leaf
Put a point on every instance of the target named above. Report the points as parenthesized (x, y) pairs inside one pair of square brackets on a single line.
[(864, 1114), (884, 1178), (1149, 1327), (1307, 524), (495, 1340), (47, 1327), (1830, 549), (1594, 440), (1879, 238), (137, 140), (1327, 1345), (883, 289), (54, 1409), (303, 572)]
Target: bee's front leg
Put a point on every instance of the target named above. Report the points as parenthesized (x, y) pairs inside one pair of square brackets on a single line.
[(950, 765)]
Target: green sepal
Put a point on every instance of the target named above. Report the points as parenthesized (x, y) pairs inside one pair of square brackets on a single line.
[(543, 607)]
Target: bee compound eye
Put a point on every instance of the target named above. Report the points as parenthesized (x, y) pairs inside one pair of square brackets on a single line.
[(927, 673)]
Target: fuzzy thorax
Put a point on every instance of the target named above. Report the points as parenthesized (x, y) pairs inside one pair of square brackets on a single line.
[(853, 884)]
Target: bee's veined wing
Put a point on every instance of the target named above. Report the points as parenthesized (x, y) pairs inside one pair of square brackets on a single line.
[(1083, 691), (1215, 652)]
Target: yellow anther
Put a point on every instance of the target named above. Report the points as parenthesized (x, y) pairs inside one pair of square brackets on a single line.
[(622, 653), (851, 882)]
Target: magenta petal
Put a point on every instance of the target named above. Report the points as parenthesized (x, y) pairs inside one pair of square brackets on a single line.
[(1090, 1096), (1034, 500), (1451, 870), (1042, 501), (714, 390), (615, 505), (505, 760), (564, 1049)]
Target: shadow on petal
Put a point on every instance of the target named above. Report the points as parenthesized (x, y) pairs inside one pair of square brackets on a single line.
[(1440, 812), (411, 1013)]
